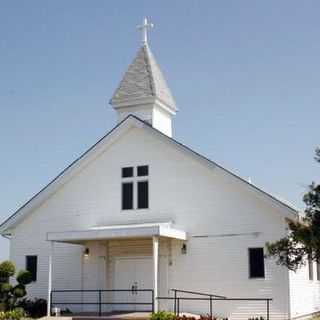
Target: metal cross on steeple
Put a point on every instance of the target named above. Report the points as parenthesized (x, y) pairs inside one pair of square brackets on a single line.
[(144, 30)]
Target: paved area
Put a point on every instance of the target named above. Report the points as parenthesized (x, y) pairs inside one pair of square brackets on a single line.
[(112, 316), (109, 316)]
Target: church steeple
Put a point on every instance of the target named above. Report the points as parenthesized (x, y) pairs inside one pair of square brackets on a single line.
[(143, 90)]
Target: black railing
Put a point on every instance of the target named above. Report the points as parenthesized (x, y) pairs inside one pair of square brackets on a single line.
[(210, 298), (178, 296), (99, 301), (209, 295)]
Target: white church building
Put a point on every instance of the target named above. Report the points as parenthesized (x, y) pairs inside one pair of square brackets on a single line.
[(139, 214)]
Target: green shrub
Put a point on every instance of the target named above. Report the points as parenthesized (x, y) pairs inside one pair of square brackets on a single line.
[(7, 269), (9, 295), (15, 314), (19, 291), (5, 287), (24, 277), (162, 315), (202, 317), (34, 308), (208, 317)]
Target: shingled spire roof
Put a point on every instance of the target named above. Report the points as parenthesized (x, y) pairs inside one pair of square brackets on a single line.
[(143, 79)]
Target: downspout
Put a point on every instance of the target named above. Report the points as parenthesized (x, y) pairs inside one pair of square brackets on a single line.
[(289, 290), (289, 294), (81, 280)]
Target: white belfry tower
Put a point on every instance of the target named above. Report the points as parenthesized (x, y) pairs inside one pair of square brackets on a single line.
[(143, 90)]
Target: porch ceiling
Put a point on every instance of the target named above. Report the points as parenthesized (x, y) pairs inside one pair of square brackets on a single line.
[(117, 232)]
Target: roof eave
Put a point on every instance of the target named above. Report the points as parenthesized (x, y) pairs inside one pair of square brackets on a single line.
[(49, 189), (126, 103)]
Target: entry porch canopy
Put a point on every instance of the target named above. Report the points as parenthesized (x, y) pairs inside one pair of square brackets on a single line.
[(146, 230)]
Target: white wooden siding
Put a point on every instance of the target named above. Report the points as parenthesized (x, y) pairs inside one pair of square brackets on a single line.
[(200, 200), (304, 293)]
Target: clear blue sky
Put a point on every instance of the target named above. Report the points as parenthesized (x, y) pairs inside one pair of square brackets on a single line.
[(245, 75)]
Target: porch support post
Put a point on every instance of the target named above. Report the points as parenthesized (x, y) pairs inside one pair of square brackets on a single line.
[(155, 242), (50, 279)]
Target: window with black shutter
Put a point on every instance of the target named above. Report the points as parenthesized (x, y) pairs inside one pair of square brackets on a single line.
[(143, 194), (127, 172), (32, 266), (256, 263), (127, 195), (143, 171), (135, 187)]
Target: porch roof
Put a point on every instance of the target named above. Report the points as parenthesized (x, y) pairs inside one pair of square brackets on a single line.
[(118, 231)]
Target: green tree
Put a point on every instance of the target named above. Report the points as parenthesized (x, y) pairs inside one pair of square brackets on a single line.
[(9, 294), (303, 239)]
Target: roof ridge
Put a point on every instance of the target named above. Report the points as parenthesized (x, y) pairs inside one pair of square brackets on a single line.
[(149, 68)]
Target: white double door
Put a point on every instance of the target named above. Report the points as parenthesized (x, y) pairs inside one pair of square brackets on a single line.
[(133, 274)]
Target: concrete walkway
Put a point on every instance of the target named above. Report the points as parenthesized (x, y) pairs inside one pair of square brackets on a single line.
[(116, 316), (113, 316)]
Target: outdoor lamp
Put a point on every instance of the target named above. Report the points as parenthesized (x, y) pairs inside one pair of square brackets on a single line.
[(86, 252)]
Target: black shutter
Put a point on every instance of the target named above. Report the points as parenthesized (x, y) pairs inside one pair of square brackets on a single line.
[(127, 172), (143, 171), (32, 265), (127, 196), (143, 195), (256, 263)]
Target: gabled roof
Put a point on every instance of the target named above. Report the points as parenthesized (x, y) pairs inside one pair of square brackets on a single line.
[(97, 148), (143, 79)]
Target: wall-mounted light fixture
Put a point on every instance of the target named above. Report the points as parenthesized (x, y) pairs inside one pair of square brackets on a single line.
[(86, 252), (184, 249)]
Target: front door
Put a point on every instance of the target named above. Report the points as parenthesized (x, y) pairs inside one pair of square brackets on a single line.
[(133, 274)]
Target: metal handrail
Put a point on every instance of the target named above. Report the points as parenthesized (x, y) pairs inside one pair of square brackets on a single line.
[(100, 303), (177, 302), (102, 290), (210, 298), (198, 293), (216, 299)]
